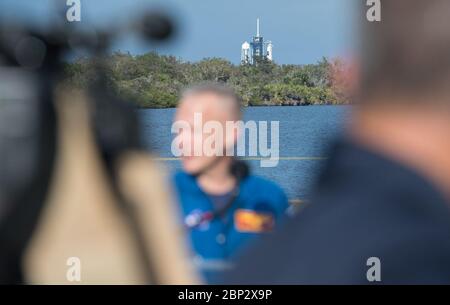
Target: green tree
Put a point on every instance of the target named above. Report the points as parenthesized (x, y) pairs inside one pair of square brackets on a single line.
[(155, 81)]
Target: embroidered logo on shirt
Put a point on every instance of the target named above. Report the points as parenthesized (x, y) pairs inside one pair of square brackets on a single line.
[(248, 221), (198, 220)]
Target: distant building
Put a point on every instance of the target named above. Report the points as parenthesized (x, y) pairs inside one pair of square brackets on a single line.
[(258, 49)]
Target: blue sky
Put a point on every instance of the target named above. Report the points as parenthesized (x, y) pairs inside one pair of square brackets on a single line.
[(302, 30)]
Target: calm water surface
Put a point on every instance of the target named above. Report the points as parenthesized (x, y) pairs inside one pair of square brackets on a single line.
[(304, 132)]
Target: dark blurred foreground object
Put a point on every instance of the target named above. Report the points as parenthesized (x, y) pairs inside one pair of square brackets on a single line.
[(75, 183), (384, 195), (112, 227), (27, 149), (365, 206)]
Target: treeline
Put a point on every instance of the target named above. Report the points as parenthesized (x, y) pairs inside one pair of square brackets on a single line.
[(155, 81)]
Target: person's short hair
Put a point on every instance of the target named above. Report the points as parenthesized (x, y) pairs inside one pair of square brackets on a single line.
[(217, 89), (408, 51)]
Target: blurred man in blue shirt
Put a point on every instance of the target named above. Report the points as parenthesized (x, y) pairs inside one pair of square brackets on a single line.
[(223, 205)]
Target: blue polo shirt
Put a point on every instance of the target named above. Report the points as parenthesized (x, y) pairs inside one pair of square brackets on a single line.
[(216, 241)]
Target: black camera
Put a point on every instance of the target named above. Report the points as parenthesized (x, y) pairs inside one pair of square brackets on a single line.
[(30, 69)]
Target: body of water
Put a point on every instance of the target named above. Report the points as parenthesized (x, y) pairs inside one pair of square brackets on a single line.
[(304, 134)]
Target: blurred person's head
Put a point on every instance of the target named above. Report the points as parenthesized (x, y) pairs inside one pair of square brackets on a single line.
[(199, 105), (404, 106), (405, 56)]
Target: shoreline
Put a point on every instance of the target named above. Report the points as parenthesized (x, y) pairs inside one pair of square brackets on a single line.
[(252, 106)]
